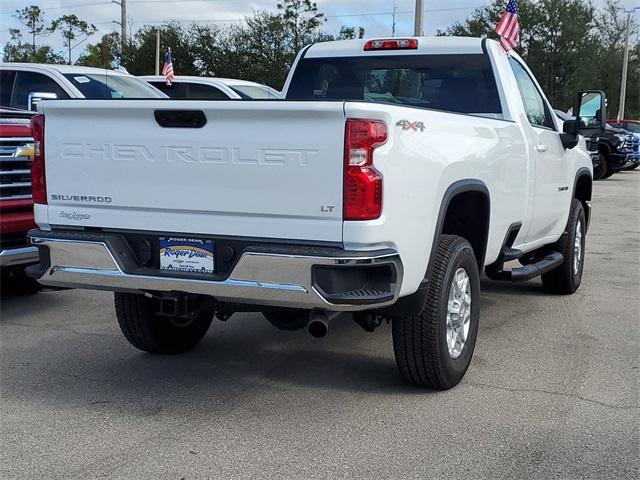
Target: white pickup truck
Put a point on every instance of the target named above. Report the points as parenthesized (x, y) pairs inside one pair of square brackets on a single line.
[(392, 174)]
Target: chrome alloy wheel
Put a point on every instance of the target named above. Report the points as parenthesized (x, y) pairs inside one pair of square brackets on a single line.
[(577, 248), (458, 313)]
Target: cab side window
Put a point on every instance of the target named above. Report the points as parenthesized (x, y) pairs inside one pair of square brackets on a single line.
[(175, 91), (28, 82), (534, 105), (198, 91)]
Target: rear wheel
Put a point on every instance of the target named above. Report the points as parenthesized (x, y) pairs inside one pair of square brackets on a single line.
[(141, 324), (566, 278), (434, 348), (608, 174), (600, 170)]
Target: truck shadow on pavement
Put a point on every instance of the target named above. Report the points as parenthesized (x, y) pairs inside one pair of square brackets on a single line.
[(532, 288), (76, 368), (83, 361)]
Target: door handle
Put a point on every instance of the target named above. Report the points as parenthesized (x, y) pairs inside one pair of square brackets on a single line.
[(541, 148)]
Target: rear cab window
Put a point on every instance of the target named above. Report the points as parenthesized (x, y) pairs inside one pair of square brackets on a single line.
[(460, 83), (31, 82)]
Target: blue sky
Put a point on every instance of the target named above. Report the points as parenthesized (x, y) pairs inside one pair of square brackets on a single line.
[(374, 15)]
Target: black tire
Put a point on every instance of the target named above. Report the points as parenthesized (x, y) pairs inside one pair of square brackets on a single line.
[(608, 174), (420, 341), (288, 320), (18, 283), (600, 172), (565, 279), (146, 330)]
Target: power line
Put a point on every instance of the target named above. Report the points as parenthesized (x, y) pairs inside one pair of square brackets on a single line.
[(344, 15), (93, 4), (171, 1), (230, 20), (61, 7)]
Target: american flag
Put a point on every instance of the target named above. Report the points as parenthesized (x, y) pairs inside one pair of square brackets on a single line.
[(509, 27), (167, 70)]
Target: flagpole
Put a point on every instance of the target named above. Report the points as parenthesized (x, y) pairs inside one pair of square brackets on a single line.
[(158, 51)]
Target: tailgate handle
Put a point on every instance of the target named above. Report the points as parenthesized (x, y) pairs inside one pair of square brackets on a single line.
[(180, 118)]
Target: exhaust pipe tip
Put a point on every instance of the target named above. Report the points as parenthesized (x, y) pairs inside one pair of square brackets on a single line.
[(318, 329), (318, 325)]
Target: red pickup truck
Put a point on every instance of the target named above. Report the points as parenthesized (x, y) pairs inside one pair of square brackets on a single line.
[(16, 205)]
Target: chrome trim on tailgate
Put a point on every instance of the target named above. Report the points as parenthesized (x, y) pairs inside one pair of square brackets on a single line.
[(276, 279)]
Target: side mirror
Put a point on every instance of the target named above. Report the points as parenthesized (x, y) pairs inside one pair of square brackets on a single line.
[(592, 110), (35, 98), (570, 136)]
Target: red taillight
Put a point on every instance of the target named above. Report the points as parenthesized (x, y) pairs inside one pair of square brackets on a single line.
[(38, 180), (392, 44), (362, 182)]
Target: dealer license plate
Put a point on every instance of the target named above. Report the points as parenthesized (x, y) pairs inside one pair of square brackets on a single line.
[(186, 255)]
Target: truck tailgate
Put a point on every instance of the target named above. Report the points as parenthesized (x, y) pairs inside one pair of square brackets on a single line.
[(267, 169)]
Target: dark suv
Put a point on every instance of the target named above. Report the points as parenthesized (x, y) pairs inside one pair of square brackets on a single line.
[(615, 147)]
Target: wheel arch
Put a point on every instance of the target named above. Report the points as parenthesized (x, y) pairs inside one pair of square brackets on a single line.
[(456, 196), (583, 190), (604, 148), (465, 211)]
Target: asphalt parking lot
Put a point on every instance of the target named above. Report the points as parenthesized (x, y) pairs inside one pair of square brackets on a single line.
[(552, 392)]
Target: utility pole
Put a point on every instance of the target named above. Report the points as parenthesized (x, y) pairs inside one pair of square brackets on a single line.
[(418, 31), (122, 22), (157, 51), (393, 24), (625, 66)]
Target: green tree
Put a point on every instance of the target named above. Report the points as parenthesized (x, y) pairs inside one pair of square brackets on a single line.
[(611, 27), (73, 30), (17, 51), (350, 33), (140, 56), (301, 21), (569, 45), (258, 50), (104, 54), (32, 18)]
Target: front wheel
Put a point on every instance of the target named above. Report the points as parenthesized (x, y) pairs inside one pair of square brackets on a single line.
[(600, 170), (566, 278), (608, 173), (434, 348)]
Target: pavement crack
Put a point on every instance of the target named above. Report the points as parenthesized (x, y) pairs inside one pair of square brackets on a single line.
[(553, 392)]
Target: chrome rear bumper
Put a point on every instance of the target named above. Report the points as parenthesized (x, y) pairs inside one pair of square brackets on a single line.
[(12, 257), (258, 278)]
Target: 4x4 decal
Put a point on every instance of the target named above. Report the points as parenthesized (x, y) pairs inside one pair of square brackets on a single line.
[(409, 125)]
